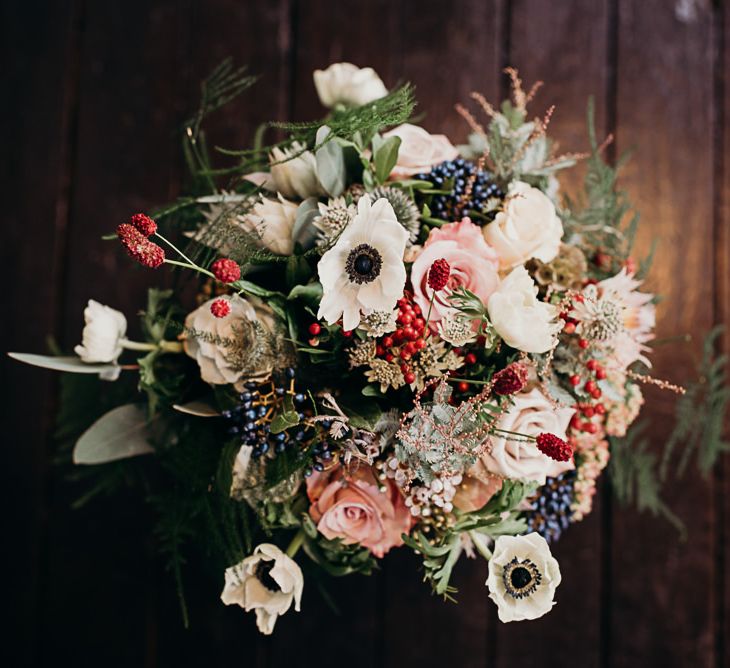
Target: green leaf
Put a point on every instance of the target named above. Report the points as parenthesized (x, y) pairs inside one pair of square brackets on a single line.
[(330, 163), (365, 416), (255, 290), (310, 294), (385, 155), (303, 232), (284, 421), (297, 270)]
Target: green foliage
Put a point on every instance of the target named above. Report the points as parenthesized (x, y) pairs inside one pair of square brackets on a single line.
[(700, 414), (334, 556), (634, 476)]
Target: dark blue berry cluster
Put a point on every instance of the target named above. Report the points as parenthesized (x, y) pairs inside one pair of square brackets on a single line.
[(455, 175), (259, 404), (550, 514)]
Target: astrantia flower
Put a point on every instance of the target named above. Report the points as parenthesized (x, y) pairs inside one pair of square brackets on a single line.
[(519, 318), (271, 222), (523, 576), (268, 582), (348, 85), (364, 271), (102, 335), (378, 323), (333, 218), (294, 172), (456, 330)]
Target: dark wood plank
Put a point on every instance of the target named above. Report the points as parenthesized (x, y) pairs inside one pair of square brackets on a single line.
[(571, 73), (447, 50), (37, 116), (662, 589)]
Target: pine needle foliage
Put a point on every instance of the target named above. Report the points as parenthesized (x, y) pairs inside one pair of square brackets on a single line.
[(700, 414)]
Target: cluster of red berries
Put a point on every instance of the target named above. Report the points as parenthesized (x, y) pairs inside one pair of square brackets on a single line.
[(225, 270), (133, 236), (220, 308)]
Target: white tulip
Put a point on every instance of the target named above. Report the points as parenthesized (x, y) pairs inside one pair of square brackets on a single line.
[(523, 576), (295, 176), (348, 85), (528, 227), (103, 334), (524, 322), (268, 582)]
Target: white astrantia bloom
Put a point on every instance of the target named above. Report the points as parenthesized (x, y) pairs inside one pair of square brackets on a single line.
[(528, 227), (268, 582), (103, 334), (523, 576), (523, 321), (294, 172), (271, 221), (364, 271), (348, 85)]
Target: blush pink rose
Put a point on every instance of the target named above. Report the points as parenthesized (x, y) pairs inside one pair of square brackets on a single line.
[(350, 506), (419, 150), (474, 265)]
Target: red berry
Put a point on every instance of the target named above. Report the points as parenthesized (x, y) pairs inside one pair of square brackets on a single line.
[(590, 427), (419, 324), (225, 270), (590, 386), (600, 409), (220, 308), (596, 394), (410, 377), (420, 344), (388, 342), (398, 334), (314, 342), (574, 380), (583, 343), (600, 374), (569, 327), (379, 350), (417, 309), (591, 365), (315, 328), (575, 422), (404, 367), (410, 347), (389, 357), (404, 354), (347, 333), (438, 274), (405, 318), (463, 386), (470, 358)]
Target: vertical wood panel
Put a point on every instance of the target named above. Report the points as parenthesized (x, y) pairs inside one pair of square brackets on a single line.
[(448, 50), (572, 68), (663, 589), (36, 120)]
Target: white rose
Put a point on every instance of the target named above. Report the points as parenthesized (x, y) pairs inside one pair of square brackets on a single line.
[(223, 347), (419, 151), (295, 176), (524, 322), (528, 227), (523, 577), (512, 456), (272, 222), (268, 582), (103, 334), (349, 85)]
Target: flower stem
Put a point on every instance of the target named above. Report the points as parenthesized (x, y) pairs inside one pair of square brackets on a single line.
[(295, 544), (527, 437), (192, 266), (166, 346)]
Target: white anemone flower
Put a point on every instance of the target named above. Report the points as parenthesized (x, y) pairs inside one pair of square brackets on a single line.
[(364, 271), (523, 576), (268, 582)]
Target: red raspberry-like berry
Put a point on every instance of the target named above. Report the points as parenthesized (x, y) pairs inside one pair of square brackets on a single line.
[(139, 247), (220, 308), (410, 377), (315, 328), (555, 448), (143, 223), (510, 380), (438, 274), (225, 270)]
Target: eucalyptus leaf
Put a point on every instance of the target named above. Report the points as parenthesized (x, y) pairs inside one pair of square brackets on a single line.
[(385, 155), (71, 364), (304, 232), (119, 434), (330, 163), (197, 408), (310, 293)]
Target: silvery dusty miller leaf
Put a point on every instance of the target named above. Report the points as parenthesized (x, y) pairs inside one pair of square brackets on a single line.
[(69, 364)]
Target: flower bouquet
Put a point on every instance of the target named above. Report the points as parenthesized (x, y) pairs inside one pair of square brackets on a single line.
[(375, 339)]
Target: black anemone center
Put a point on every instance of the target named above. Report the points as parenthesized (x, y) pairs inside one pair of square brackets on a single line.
[(263, 575), (363, 264), (520, 577)]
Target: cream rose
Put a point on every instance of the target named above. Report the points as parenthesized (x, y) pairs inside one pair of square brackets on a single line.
[(351, 506), (271, 221), (512, 456), (348, 85), (224, 347), (524, 322), (294, 172), (528, 227), (103, 334), (268, 582), (419, 150), (523, 577)]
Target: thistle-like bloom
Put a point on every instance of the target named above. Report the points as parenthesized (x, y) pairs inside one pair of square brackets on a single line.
[(140, 247), (364, 271)]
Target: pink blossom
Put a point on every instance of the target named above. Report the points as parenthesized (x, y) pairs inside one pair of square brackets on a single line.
[(349, 505), (473, 263)]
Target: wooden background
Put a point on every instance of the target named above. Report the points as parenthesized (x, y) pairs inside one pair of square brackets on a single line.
[(92, 95)]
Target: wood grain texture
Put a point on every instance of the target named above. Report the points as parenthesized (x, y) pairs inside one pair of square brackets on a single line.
[(664, 109)]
